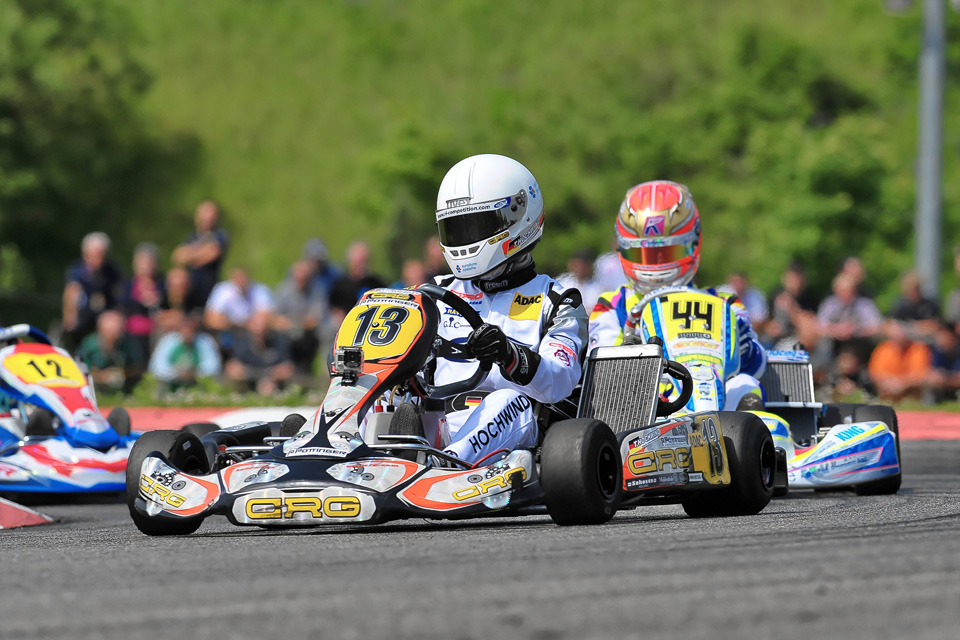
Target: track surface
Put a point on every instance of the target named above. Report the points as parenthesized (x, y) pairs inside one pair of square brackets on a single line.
[(811, 565)]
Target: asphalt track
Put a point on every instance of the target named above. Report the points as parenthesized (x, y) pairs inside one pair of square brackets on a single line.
[(811, 565)]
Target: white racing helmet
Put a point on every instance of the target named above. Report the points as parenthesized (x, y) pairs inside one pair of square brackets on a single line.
[(489, 212)]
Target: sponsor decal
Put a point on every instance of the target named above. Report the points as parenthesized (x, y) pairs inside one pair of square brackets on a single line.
[(494, 478), (533, 189), (520, 241), (526, 307), (317, 451), (312, 507), (695, 477), (467, 268), (674, 441), (642, 462), (388, 294), (851, 433), (498, 238), (654, 226), (457, 202), (156, 491)]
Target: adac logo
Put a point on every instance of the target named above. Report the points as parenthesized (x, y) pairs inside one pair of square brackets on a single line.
[(525, 307)]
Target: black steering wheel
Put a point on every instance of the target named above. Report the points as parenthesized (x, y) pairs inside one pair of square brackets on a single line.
[(449, 349), (678, 372)]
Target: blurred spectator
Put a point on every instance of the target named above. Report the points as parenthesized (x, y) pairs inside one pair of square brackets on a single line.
[(914, 308), (899, 366), (848, 375), (579, 275), (355, 282), (184, 355), (853, 267), (848, 318), (143, 293), (944, 379), (951, 310), (178, 300), (435, 263), (94, 285), (202, 253), (413, 274), (233, 301), (751, 297), (261, 357), (608, 272), (116, 360), (302, 311), (794, 309), (323, 274)]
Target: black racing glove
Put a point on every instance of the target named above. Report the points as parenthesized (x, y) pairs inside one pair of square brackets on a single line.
[(490, 344)]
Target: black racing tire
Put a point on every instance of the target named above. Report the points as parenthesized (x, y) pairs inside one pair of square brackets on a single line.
[(40, 423), (184, 452), (580, 472), (119, 419), (891, 484), (200, 429), (753, 462), (291, 425)]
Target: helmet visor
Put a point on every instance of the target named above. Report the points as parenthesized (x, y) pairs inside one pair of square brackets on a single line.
[(471, 223), (651, 253)]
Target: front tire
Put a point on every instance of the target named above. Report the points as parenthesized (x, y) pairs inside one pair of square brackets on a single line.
[(753, 463), (184, 452), (580, 472), (891, 484), (200, 429), (119, 419)]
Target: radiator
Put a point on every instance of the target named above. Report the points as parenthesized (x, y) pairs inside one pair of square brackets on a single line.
[(788, 382), (621, 386)]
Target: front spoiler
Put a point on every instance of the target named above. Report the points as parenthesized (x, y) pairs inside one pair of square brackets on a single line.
[(269, 491)]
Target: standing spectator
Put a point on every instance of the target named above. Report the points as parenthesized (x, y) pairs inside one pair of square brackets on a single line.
[(233, 301), (944, 379), (143, 293), (794, 309), (579, 275), (93, 286), (116, 361), (185, 355), (356, 282), (848, 318), (302, 312), (202, 253), (912, 307), (751, 297), (900, 366), (412, 274), (261, 357), (853, 267), (951, 310), (608, 272), (435, 263), (179, 300), (323, 274)]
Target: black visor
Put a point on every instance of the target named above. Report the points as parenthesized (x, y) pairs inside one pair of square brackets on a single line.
[(459, 226), (472, 227)]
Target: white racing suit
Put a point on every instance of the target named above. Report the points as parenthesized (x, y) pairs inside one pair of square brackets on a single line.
[(609, 316), (549, 323)]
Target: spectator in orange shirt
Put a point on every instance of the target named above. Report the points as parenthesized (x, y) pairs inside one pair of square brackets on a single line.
[(899, 365)]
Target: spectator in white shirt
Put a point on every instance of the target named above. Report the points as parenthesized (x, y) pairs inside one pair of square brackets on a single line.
[(233, 301)]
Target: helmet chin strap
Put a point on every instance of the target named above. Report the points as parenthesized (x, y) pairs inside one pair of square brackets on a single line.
[(516, 272)]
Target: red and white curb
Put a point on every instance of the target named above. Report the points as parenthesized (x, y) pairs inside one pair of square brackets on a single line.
[(13, 515)]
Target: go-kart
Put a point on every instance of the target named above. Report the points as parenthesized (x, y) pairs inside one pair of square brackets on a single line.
[(824, 446), (351, 465), (53, 438)]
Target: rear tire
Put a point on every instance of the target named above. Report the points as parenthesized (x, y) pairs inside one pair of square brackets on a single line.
[(580, 472), (752, 459), (891, 484), (200, 429), (119, 419), (184, 452)]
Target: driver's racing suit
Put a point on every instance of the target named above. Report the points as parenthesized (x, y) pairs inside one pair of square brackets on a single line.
[(610, 315), (550, 324)]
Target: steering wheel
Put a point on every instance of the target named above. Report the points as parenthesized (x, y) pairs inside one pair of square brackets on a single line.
[(449, 349), (679, 372)]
